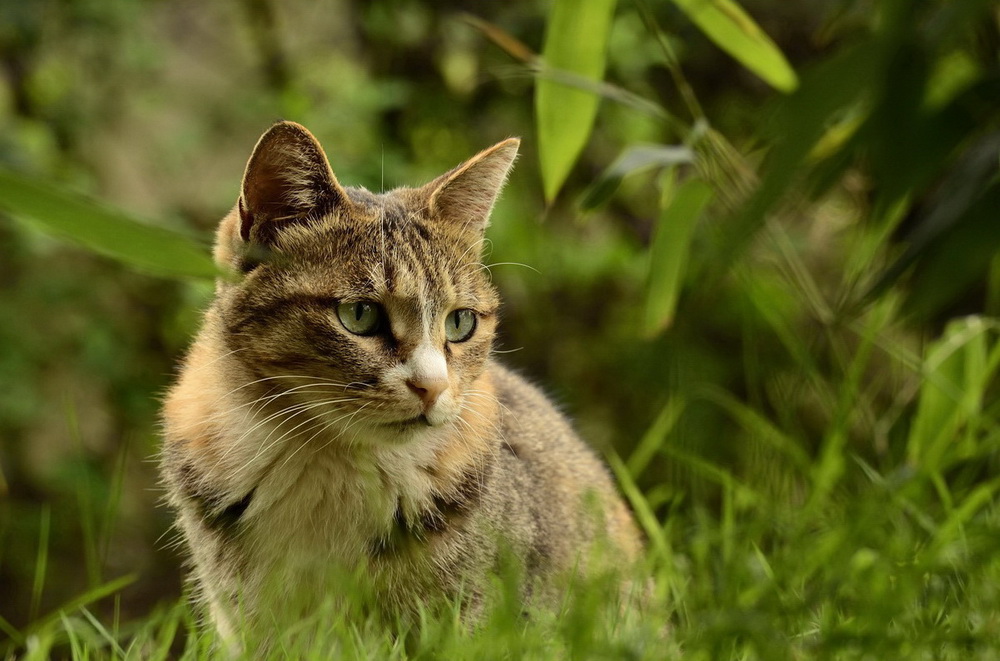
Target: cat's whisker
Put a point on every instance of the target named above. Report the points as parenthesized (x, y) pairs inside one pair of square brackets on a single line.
[(328, 425), (222, 414), (304, 408), (491, 397), (323, 426), (488, 267), (475, 247), (479, 462), (257, 405), (287, 414), (215, 360), (269, 378), (503, 351)]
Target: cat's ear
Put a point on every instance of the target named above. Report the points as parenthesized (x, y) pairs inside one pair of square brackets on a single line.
[(287, 179), (465, 195)]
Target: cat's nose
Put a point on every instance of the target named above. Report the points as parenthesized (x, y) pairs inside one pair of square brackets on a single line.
[(428, 389)]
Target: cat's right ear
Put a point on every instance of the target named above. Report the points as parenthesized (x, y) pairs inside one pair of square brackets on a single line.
[(288, 179)]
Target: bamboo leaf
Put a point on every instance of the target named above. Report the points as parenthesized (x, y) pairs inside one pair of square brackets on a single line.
[(576, 40), (734, 31), (635, 159), (106, 231), (668, 254)]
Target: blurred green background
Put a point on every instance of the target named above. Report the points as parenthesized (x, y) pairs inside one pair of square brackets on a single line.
[(838, 228)]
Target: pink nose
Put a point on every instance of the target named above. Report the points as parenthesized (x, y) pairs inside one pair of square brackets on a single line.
[(428, 389)]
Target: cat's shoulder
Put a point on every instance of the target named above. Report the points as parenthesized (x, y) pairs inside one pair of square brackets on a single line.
[(529, 417), (517, 392)]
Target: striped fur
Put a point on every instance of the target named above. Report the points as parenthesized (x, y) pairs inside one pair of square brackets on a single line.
[(296, 450)]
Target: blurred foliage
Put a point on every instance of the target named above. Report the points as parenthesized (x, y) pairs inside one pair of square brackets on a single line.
[(760, 304)]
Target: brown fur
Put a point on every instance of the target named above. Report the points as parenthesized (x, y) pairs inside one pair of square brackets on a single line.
[(295, 449)]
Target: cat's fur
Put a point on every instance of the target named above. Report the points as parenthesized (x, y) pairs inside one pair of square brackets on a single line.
[(295, 450)]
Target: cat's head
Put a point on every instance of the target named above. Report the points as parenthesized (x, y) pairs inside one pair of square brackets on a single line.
[(363, 309)]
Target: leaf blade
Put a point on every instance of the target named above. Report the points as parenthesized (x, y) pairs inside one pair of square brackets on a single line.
[(576, 40), (635, 159), (103, 230), (668, 253), (734, 31)]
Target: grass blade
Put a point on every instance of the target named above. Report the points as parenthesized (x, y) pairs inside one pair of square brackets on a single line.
[(958, 370), (41, 561), (643, 512), (87, 597), (655, 436), (803, 119)]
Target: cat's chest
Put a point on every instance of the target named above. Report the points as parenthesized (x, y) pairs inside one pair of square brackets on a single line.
[(325, 508)]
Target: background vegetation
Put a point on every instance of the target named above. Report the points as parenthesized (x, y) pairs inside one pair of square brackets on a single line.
[(766, 285)]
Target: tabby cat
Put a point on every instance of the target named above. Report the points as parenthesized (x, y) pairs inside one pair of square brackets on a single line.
[(340, 408)]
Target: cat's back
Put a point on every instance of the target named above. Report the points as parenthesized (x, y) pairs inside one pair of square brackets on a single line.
[(554, 483)]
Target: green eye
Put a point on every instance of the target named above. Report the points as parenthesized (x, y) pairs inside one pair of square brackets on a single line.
[(459, 325), (361, 317)]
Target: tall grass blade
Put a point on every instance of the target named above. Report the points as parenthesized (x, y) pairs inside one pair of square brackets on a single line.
[(655, 436), (957, 371), (72, 605), (756, 424), (91, 555), (41, 561), (802, 120), (952, 529), (643, 512), (103, 632)]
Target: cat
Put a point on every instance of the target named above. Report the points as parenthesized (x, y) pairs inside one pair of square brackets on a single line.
[(340, 408)]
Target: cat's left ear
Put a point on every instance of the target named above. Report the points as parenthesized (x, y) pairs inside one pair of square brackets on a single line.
[(465, 196)]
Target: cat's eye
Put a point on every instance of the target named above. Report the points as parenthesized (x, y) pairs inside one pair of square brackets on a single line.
[(361, 317), (459, 325)]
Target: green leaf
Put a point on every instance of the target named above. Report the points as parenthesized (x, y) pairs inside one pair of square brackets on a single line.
[(106, 231), (668, 254), (637, 158), (734, 31), (576, 40)]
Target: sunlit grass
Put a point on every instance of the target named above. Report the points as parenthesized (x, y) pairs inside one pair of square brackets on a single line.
[(889, 564)]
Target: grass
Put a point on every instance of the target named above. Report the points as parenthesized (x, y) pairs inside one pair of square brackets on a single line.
[(849, 510), (875, 534), (875, 575), (849, 561)]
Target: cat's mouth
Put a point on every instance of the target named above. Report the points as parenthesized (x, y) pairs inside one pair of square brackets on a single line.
[(418, 421)]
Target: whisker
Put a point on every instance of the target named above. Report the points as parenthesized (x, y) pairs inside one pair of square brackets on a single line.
[(298, 410), (530, 268)]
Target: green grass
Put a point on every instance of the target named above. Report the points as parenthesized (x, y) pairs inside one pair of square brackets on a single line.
[(856, 518), (874, 575), (821, 479), (832, 557)]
